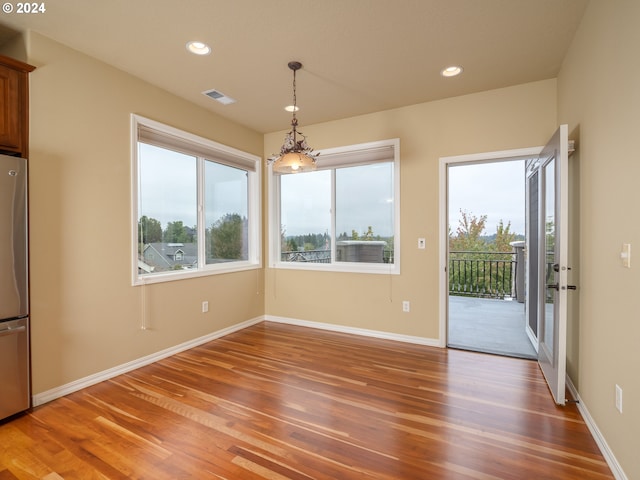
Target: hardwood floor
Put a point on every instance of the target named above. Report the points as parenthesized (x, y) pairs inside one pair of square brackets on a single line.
[(281, 402)]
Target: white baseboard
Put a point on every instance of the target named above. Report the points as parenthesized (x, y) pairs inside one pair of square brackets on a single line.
[(61, 391), (430, 342), (608, 455), (81, 383)]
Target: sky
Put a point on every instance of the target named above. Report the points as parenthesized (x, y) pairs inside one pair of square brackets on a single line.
[(167, 185), (168, 188), (167, 192), (364, 198), (494, 189)]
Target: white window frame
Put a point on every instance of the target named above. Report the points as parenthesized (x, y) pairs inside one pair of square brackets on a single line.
[(333, 158), (202, 149)]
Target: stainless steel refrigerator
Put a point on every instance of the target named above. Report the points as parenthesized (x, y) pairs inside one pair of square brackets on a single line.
[(15, 394)]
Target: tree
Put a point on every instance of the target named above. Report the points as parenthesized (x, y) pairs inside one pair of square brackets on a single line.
[(287, 244), (150, 230), (176, 232), (283, 239), (504, 237), (292, 245), (368, 235), (229, 237), (479, 271), (468, 234)]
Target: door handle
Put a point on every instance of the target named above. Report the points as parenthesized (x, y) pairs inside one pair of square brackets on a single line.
[(11, 331), (556, 267), (555, 286)]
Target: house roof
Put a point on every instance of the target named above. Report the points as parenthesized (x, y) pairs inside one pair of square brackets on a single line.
[(165, 255), (359, 56)]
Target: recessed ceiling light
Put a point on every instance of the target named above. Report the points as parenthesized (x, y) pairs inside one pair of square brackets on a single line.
[(198, 48), (451, 71), (291, 108)]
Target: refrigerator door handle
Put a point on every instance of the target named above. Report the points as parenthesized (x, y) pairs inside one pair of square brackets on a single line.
[(11, 331)]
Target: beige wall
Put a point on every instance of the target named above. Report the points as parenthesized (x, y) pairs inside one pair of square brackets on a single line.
[(509, 118), (86, 316), (599, 97)]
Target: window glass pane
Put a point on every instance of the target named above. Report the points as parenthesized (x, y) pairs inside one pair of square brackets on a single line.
[(167, 210), (305, 217), (344, 214), (226, 213), (364, 213), (195, 206)]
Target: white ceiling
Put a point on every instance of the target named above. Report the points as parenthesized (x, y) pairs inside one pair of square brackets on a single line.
[(359, 56)]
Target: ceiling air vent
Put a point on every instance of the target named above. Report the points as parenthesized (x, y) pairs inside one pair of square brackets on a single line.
[(219, 97)]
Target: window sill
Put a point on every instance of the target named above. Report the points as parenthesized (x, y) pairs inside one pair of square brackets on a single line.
[(186, 274), (342, 267)]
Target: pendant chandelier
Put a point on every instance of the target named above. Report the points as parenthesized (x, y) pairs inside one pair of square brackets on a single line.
[(295, 155)]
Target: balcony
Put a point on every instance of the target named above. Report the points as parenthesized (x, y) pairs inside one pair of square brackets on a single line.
[(486, 303), (484, 274), (489, 325)]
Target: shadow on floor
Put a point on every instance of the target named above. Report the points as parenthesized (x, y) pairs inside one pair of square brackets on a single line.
[(489, 326)]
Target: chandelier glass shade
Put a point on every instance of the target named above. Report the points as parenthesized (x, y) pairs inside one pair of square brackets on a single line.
[(295, 155)]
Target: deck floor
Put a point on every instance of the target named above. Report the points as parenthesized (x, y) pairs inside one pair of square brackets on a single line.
[(489, 326)]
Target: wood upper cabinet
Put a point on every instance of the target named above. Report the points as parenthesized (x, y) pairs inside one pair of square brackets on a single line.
[(14, 106)]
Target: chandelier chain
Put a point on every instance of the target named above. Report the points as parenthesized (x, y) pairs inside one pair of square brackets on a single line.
[(295, 101)]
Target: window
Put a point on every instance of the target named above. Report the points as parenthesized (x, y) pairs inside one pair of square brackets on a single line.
[(195, 208), (344, 216)]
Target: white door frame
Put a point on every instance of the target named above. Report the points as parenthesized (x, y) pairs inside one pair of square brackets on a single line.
[(517, 154)]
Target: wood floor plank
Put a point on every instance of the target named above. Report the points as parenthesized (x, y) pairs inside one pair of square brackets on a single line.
[(282, 402)]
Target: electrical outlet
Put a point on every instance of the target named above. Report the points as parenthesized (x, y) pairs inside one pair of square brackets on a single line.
[(406, 306), (205, 307), (619, 398)]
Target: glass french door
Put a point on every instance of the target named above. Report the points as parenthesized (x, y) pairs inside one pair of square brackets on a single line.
[(552, 262)]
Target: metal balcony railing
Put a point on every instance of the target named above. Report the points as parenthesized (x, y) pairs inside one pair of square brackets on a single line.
[(482, 274), (324, 256), (308, 256)]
